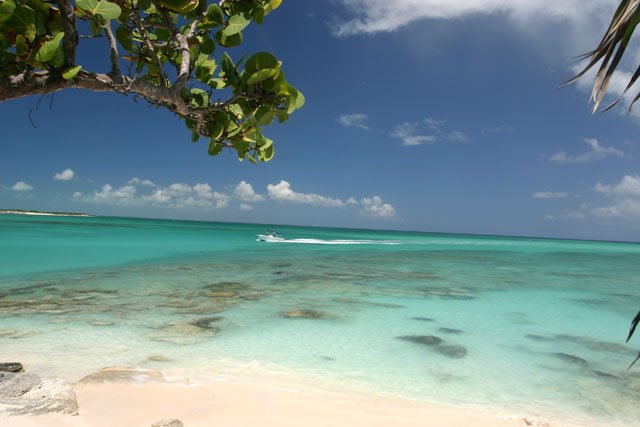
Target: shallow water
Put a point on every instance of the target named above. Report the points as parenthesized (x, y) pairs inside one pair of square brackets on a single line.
[(527, 326)]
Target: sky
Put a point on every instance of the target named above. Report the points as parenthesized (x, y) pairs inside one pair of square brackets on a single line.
[(425, 115)]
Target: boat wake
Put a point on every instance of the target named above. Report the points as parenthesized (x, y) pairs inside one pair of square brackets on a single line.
[(337, 242)]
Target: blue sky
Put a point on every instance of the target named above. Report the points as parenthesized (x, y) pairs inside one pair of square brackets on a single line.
[(421, 115)]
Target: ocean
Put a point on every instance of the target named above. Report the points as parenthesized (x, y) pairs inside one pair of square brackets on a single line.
[(526, 326)]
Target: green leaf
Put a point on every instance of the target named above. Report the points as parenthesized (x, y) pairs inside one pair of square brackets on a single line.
[(199, 98), (235, 24), (260, 61), (267, 154), (214, 148), (264, 115), (95, 28), (6, 10), (266, 144), (273, 4), (124, 37), (194, 137), (208, 46), (21, 21), (48, 50), (282, 116), (102, 8), (263, 75), (218, 128), (21, 45), (71, 72), (217, 83), (163, 34), (228, 41), (214, 14)]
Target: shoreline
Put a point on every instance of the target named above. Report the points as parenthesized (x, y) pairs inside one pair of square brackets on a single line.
[(269, 399)]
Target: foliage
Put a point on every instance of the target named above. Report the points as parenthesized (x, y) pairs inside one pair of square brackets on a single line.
[(176, 53)]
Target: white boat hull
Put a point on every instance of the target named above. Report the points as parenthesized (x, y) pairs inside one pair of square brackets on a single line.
[(268, 238)]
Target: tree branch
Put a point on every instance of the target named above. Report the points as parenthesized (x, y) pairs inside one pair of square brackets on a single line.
[(185, 64), (70, 40), (184, 71), (42, 82), (113, 51), (152, 51)]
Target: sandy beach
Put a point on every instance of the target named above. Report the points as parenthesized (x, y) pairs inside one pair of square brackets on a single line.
[(252, 404)]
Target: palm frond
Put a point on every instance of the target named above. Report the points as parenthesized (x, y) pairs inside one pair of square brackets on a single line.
[(634, 323), (610, 51)]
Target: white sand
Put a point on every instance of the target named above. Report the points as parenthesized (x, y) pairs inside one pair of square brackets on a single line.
[(264, 404)]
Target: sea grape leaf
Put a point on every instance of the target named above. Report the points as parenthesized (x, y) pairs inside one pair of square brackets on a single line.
[(235, 24), (102, 8), (214, 14), (48, 50), (71, 72), (228, 41), (124, 37), (6, 10)]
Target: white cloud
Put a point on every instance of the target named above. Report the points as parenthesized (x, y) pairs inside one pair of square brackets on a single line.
[(418, 140), (65, 175), (246, 207), (141, 182), (427, 132), (371, 16), (409, 134), (21, 186), (176, 195), (625, 195), (550, 195), (376, 207), (245, 192), (596, 152), (434, 124), (456, 136), (283, 192), (499, 129), (351, 201), (354, 120)]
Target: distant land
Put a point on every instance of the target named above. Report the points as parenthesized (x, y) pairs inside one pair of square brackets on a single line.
[(43, 213)]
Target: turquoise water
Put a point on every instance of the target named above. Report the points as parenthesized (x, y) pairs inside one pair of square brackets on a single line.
[(533, 327)]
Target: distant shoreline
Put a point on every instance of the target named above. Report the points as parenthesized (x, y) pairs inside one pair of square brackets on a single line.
[(24, 212)]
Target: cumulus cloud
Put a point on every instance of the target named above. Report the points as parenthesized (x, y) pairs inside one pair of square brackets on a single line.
[(246, 207), (358, 120), (550, 195), (283, 192), (376, 207), (373, 206), (596, 152), (372, 16), (65, 175), (625, 195), (21, 186), (245, 192), (176, 195)]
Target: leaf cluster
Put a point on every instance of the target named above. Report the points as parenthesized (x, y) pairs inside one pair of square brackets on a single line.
[(176, 54)]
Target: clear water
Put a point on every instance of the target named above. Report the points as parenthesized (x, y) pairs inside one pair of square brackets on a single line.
[(536, 327)]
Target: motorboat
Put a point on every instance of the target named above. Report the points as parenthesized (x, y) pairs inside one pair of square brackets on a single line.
[(271, 236)]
